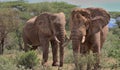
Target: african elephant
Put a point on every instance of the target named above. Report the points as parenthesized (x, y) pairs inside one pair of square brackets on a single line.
[(45, 28), (88, 32)]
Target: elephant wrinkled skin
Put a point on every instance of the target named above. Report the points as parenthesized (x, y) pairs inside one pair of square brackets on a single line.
[(88, 32), (45, 28)]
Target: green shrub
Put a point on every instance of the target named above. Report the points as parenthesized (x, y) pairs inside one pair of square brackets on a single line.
[(28, 59), (6, 63)]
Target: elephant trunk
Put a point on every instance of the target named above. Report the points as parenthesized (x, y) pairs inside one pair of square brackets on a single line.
[(66, 41), (69, 39), (76, 49), (80, 34), (61, 37), (62, 34)]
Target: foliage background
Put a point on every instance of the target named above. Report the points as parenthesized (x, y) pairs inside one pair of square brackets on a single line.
[(13, 16)]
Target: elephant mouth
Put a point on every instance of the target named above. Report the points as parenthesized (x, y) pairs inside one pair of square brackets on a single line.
[(68, 41)]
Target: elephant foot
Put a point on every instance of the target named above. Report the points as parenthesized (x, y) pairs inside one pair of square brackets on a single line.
[(60, 68), (98, 67), (61, 64), (55, 64), (44, 63)]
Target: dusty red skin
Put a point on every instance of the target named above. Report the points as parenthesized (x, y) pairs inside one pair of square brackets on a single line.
[(92, 24), (45, 28)]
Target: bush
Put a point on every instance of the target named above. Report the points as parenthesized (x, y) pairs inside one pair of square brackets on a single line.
[(28, 60), (7, 63)]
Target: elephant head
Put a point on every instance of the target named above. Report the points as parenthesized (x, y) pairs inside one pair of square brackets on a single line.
[(83, 22), (51, 24), (79, 23)]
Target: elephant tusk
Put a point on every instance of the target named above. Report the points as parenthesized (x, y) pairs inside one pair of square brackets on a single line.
[(83, 39), (56, 39)]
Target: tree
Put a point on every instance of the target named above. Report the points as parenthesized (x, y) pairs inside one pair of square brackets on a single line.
[(118, 20), (116, 15), (8, 22), (2, 36)]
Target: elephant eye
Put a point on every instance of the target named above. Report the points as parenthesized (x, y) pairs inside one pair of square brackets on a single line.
[(40, 22), (83, 14)]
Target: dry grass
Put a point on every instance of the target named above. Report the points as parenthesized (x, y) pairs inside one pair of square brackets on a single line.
[(106, 63)]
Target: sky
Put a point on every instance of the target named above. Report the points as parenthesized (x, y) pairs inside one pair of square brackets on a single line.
[(112, 23), (110, 5)]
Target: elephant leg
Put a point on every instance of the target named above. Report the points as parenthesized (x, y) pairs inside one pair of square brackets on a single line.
[(26, 44), (61, 49), (61, 55), (97, 61), (54, 45), (104, 33), (61, 52), (85, 51), (96, 50), (45, 48)]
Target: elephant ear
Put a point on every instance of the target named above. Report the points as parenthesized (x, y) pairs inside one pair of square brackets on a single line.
[(97, 23), (52, 18), (43, 24)]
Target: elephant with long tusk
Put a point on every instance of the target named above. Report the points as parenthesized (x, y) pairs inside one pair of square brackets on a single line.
[(89, 30)]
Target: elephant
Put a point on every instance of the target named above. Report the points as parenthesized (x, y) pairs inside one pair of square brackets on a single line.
[(44, 29), (89, 30)]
